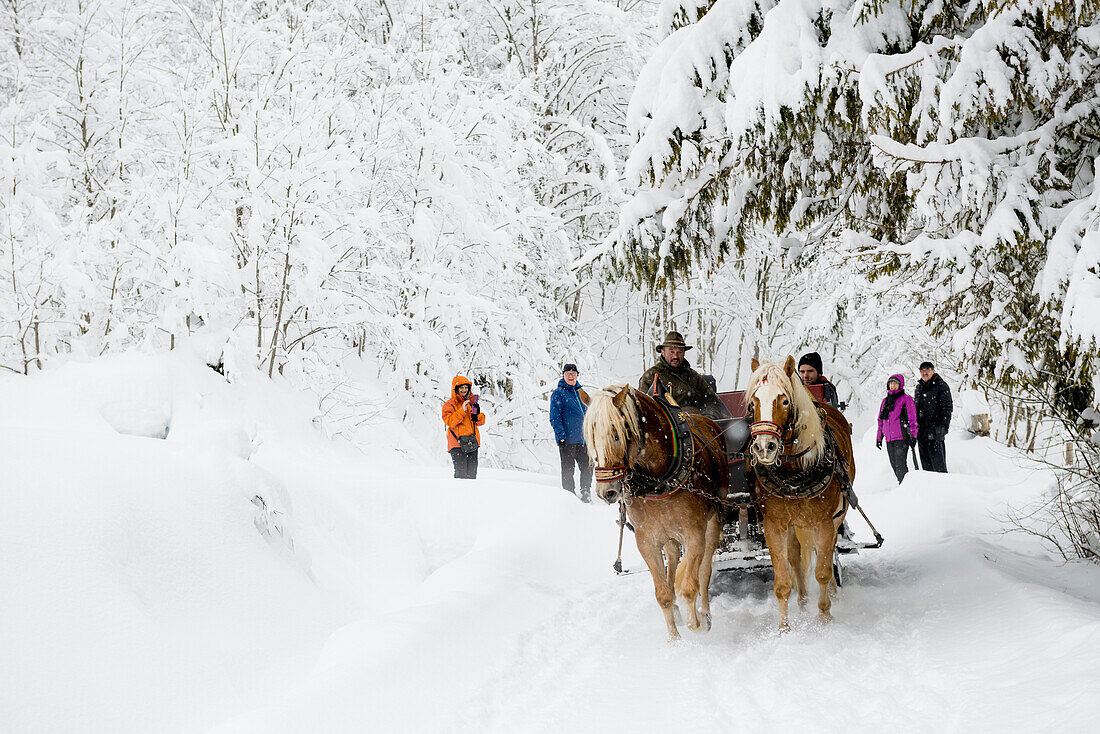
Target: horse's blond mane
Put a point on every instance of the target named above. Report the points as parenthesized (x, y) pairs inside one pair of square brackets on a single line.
[(807, 423), (607, 428)]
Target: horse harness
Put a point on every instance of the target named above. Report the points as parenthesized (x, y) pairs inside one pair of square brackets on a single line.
[(801, 483), (678, 474)]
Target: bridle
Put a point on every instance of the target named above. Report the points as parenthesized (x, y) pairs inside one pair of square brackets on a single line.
[(610, 473), (766, 428), (796, 483), (771, 428)]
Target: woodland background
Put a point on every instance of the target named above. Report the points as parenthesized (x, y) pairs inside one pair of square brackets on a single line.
[(366, 198)]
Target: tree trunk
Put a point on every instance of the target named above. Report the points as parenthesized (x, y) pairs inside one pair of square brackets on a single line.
[(279, 314)]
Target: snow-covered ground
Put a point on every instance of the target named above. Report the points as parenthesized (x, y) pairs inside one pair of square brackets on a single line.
[(180, 554)]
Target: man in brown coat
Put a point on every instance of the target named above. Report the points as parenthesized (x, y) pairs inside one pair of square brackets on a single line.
[(686, 386)]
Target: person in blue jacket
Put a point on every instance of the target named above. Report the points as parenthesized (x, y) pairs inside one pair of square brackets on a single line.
[(568, 404)]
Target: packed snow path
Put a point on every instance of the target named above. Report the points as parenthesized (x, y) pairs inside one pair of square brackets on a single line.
[(146, 590), (942, 630)]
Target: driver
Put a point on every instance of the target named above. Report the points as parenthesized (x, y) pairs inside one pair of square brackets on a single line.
[(686, 386)]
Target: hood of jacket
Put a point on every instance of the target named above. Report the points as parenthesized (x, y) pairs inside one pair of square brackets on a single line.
[(460, 380), (901, 383)]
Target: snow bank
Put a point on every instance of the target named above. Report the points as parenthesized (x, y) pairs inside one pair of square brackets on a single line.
[(139, 595), (179, 550)]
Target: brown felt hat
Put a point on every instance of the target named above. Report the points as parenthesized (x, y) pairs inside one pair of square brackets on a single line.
[(674, 339)]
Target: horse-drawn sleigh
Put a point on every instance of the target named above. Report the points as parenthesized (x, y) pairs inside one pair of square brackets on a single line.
[(769, 488)]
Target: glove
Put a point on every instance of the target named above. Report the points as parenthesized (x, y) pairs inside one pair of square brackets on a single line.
[(561, 442), (878, 444)]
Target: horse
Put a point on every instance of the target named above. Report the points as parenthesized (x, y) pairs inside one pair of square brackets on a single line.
[(666, 466), (803, 466)]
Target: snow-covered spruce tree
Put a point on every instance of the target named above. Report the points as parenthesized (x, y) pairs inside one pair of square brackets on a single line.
[(990, 115), (955, 140), (674, 231)]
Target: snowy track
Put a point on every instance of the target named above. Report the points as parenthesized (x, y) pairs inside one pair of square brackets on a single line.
[(140, 594), (970, 649), (950, 627)]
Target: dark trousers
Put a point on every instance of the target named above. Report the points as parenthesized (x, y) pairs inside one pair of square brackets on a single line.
[(933, 454), (898, 451), (465, 464), (575, 454)]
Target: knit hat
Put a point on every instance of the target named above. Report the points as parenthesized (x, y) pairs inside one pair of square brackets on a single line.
[(673, 339), (813, 359), (568, 367), (927, 366)]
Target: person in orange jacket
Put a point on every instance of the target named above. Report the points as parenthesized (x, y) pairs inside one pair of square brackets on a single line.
[(462, 415)]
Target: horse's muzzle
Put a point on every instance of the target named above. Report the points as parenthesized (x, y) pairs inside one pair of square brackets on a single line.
[(765, 450), (609, 492)]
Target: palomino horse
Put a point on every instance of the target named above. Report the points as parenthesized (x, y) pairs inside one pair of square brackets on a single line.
[(662, 462), (803, 469)]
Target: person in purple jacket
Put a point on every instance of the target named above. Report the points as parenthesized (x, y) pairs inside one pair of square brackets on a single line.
[(897, 424)]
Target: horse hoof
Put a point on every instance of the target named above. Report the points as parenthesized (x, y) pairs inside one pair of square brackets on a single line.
[(706, 623), (825, 617), (784, 628)]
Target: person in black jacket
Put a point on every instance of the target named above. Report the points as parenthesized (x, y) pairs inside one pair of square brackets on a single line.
[(810, 369), (933, 398)]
